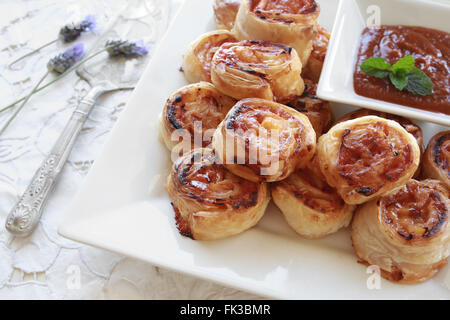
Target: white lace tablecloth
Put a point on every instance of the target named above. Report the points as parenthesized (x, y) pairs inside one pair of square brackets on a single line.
[(46, 265)]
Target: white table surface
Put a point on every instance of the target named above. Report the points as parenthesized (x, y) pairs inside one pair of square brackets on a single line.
[(46, 265)]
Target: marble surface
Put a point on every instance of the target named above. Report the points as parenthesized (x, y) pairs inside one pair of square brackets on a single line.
[(46, 265)]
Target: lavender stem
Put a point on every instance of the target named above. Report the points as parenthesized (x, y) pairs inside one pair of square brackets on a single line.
[(31, 53), (22, 105), (53, 81)]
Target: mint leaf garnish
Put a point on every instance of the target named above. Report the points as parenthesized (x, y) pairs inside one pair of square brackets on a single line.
[(376, 67), (403, 74), (419, 83), (399, 81), (403, 66)]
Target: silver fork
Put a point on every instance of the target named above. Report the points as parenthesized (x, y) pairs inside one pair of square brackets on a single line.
[(103, 76)]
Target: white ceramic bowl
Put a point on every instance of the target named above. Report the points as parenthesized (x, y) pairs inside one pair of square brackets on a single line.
[(336, 82)]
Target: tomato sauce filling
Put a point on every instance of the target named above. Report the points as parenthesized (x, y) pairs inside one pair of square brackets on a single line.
[(417, 210), (212, 185), (409, 126), (195, 112), (442, 153), (249, 55), (266, 130), (284, 6), (206, 51), (313, 191), (372, 154)]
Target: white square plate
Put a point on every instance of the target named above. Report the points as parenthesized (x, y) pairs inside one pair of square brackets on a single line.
[(123, 206), (336, 82)]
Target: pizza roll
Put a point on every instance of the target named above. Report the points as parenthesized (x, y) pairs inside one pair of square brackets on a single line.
[(366, 157), (309, 205), (196, 109), (405, 232), (317, 110), (436, 161), (261, 140), (197, 58), (225, 12), (293, 23), (409, 126), (313, 67), (209, 201), (257, 69)]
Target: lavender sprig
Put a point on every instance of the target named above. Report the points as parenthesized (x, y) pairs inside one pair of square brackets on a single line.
[(62, 62), (68, 33), (126, 48), (114, 48), (59, 65), (71, 32)]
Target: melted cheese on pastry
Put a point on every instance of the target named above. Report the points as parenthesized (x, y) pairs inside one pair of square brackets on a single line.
[(195, 110), (257, 69), (309, 205), (366, 157), (209, 201), (197, 58), (261, 140), (293, 23), (405, 232)]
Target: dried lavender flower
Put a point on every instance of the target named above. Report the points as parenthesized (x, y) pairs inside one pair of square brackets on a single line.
[(126, 48), (62, 62), (72, 31)]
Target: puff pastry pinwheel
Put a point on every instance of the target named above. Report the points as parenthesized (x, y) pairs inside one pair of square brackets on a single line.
[(317, 110), (261, 140), (197, 58), (225, 13), (436, 161), (313, 67), (257, 69), (366, 157), (209, 201), (409, 126), (293, 23), (194, 109), (405, 232), (309, 205)]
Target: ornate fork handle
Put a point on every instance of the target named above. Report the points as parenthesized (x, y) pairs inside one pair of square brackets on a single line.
[(25, 215)]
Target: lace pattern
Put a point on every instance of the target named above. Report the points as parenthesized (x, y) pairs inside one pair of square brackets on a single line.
[(46, 265)]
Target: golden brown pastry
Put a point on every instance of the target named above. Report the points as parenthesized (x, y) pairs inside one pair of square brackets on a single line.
[(225, 12), (313, 67), (318, 111), (409, 126), (197, 58), (293, 23), (261, 140), (436, 161), (209, 201), (257, 69), (405, 232), (367, 157), (197, 109), (309, 205)]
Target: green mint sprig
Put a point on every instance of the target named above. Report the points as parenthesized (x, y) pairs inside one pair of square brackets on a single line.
[(403, 74)]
